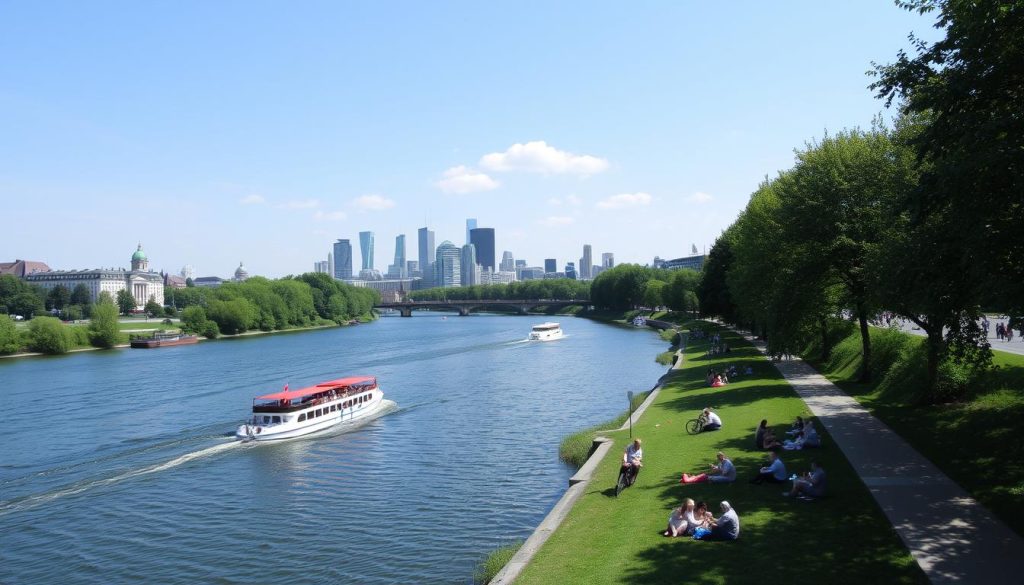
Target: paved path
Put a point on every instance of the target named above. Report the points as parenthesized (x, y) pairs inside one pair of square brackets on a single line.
[(951, 536), (1016, 346)]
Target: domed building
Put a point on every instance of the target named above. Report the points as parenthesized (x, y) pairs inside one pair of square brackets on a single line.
[(241, 275), (142, 282)]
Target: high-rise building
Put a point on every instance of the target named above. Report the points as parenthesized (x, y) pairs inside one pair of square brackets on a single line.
[(343, 259), (607, 260), (366, 249), (447, 265), (330, 264), (483, 240), (469, 271), (398, 269), (586, 262), (470, 226), (412, 268), (570, 270), (320, 266), (508, 263), (530, 273), (426, 241), (550, 265)]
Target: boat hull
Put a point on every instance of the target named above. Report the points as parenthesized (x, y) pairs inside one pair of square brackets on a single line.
[(546, 335), (255, 431), (153, 343)]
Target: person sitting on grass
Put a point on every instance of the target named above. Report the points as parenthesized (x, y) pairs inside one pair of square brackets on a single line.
[(808, 438), (710, 378), (679, 520), (812, 484), (718, 383), (723, 472), (774, 472), (726, 526), (713, 421), (798, 427), (764, 438)]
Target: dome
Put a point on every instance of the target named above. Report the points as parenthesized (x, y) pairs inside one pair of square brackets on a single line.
[(240, 272), (139, 254)]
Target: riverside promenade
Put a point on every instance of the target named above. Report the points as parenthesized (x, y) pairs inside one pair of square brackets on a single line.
[(952, 537)]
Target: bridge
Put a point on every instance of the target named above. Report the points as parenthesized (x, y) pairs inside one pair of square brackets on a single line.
[(465, 307)]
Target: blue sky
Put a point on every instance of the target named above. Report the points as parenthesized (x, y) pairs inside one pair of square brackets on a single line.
[(219, 132)]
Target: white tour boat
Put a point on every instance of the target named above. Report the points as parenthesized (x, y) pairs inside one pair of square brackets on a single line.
[(546, 332), (293, 413)]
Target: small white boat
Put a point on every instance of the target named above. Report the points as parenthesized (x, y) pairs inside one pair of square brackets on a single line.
[(293, 413), (639, 321), (546, 332)]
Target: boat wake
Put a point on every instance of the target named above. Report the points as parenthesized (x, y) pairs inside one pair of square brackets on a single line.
[(32, 501)]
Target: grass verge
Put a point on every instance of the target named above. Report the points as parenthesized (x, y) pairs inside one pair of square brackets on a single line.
[(977, 441), (575, 448), (606, 539), (489, 567)]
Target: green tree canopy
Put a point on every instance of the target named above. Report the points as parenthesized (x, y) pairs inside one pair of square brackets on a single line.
[(103, 329), (10, 340), (126, 303), (48, 335)]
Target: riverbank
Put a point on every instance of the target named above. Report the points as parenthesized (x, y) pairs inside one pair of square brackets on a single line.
[(605, 539)]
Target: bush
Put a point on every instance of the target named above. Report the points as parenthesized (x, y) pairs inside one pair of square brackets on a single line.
[(211, 331), (48, 335), (494, 562), (10, 341), (77, 336), (104, 331)]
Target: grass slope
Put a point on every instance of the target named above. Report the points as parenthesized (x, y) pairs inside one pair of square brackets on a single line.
[(977, 442), (618, 540)]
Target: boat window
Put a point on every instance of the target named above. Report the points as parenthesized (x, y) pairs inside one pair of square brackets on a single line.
[(302, 417), (277, 419), (266, 419), (333, 408)]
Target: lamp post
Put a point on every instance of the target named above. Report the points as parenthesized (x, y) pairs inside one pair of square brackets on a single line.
[(629, 396)]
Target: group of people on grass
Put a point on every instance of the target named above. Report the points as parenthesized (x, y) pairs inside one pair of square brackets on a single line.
[(694, 519), (801, 435)]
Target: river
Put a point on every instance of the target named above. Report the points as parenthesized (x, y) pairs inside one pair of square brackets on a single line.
[(118, 466)]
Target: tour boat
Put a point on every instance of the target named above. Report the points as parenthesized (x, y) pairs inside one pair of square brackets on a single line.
[(546, 332), (164, 340), (293, 413)]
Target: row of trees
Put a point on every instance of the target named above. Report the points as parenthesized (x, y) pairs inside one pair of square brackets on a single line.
[(48, 335), (922, 219), (629, 286), (259, 303), (18, 297), (559, 289)]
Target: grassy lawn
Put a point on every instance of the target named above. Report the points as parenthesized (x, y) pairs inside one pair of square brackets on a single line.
[(843, 538), (977, 442)]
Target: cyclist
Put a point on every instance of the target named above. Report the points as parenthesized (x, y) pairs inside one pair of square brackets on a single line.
[(714, 422), (632, 460)]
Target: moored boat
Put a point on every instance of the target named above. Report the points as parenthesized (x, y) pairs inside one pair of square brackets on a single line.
[(546, 332), (164, 340), (293, 413)]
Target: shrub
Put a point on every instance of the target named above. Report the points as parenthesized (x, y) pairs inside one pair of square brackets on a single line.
[(211, 331), (48, 335), (494, 562), (103, 329), (77, 336), (10, 341)]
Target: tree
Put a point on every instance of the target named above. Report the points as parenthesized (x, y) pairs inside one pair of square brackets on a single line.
[(10, 341), (969, 87), (189, 283), (26, 304), (80, 295), (153, 308), (48, 335), (103, 328), (58, 297), (126, 302), (193, 320), (653, 296)]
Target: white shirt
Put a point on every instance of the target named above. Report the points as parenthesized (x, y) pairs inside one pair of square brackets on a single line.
[(633, 453), (714, 419)]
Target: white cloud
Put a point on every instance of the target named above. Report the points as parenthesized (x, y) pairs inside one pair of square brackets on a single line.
[(556, 220), (700, 198), (555, 201), (624, 200), (539, 157), (330, 215), (462, 179), (252, 199), (373, 203), (573, 200), (299, 204)]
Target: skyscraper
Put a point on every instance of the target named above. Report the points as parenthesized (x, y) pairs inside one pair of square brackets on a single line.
[(426, 241), (607, 260), (330, 264), (586, 262), (469, 271), (398, 269), (570, 270), (508, 263), (342, 259), (366, 249), (447, 265), (550, 265), (470, 226), (483, 240)]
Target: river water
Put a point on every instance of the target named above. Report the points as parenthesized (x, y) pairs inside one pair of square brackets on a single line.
[(118, 466)]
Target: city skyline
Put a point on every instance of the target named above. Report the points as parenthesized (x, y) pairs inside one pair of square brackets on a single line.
[(641, 147)]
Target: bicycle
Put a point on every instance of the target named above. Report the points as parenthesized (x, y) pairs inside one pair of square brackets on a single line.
[(627, 477), (696, 425)]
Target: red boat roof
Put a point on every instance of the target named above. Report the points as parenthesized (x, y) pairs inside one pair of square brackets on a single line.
[(321, 387)]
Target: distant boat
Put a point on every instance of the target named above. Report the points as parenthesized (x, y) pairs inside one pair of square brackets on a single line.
[(639, 321), (164, 340), (293, 413), (546, 332)]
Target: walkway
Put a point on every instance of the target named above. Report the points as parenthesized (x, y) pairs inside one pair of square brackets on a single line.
[(951, 536), (1016, 346)]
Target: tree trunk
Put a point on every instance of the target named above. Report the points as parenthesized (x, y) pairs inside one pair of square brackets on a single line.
[(934, 357), (826, 348), (865, 342)]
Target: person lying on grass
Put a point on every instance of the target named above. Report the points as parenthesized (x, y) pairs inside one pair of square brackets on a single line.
[(764, 438), (722, 472), (812, 484), (774, 472), (679, 520)]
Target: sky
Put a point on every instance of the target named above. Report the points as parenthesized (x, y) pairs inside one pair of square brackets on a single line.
[(260, 132)]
